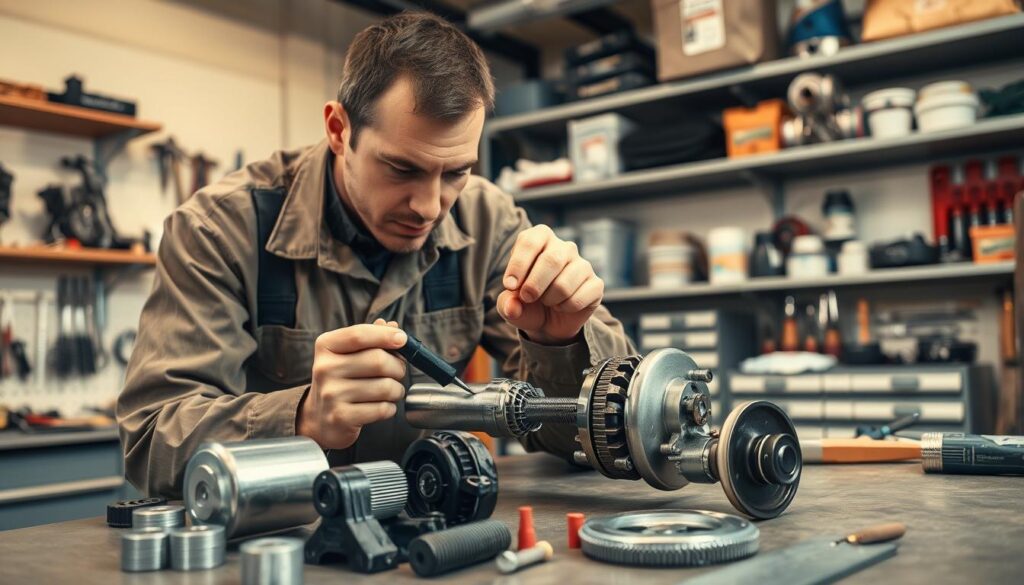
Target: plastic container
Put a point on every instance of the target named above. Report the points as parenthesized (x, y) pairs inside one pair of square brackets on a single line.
[(765, 260), (944, 87), (890, 111), (839, 215), (854, 258), (754, 130), (807, 259), (594, 146), (608, 245), (727, 255), (669, 259), (944, 111)]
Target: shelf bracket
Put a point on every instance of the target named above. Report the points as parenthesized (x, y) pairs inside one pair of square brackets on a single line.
[(773, 188), (107, 147)]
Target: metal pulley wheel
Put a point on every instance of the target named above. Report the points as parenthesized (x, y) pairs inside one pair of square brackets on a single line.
[(453, 473), (759, 459), (669, 538)]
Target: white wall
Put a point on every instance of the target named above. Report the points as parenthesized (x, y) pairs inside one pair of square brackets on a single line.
[(221, 76)]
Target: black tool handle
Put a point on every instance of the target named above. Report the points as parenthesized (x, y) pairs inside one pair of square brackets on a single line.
[(976, 454), (427, 361)]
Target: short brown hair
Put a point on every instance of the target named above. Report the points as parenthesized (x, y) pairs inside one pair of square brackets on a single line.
[(449, 72)]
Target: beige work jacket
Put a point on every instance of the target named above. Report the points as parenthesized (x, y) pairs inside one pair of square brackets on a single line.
[(203, 370)]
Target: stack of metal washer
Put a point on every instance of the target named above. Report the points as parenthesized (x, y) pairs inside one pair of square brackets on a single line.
[(196, 548), (144, 549), (165, 517), (272, 561)]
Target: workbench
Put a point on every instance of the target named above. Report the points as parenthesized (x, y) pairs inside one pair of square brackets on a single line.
[(961, 529)]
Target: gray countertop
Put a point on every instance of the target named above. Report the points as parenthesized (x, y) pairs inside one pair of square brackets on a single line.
[(961, 529), (15, 439)]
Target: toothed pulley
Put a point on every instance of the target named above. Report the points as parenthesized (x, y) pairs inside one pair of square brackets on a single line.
[(669, 538), (450, 472)]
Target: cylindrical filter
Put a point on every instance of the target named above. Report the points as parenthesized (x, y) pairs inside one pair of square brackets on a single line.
[(437, 553), (253, 487), (144, 549), (196, 548), (159, 517), (272, 561)]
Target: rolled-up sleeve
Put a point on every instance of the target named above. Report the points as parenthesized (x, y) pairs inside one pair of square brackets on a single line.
[(186, 380)]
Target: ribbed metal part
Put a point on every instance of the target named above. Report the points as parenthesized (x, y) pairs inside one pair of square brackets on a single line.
[(195, 548), (550, 410), (272, 561), (931, 452), (159, 517), (119, 514), (668, 538), (515, 407), (144, 549), (607, 412), (389, 489), (437, 553)]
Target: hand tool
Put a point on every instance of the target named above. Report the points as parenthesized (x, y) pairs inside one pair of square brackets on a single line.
[(812, 562), (972, 454), (669, 538), (639, 417), (201, 167), (6, 337), (272, 561), (42, 338), (441, 552), (876, 432), (860, 450), (168, 157), (511, 561), (430, 363)]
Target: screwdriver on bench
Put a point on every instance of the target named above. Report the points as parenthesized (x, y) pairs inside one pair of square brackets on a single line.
[(430, 363)]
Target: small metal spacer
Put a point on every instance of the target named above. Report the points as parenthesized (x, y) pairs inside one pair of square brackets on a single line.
[(700, 376)]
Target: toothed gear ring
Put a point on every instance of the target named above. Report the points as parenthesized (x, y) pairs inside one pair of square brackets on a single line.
[(669, 538)]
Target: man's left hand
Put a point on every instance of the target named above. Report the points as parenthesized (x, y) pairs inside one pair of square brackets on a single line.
[(550, 290)]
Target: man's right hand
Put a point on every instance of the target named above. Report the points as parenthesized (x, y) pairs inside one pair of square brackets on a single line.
[(356, 380)]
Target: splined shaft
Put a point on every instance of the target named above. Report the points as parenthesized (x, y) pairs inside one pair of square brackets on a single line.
[(550, 410)]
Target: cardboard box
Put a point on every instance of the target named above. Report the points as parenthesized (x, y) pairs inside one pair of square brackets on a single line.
[(700, 36)]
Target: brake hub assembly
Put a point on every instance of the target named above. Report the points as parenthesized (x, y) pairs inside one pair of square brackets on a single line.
[(639, 417), (669, 538)]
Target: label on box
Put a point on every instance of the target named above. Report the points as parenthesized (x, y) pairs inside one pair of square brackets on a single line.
[(703, 24)]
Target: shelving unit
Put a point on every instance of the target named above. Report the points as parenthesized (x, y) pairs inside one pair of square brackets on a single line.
[(816, 159), (109, 132), (925, 275), (83, 257)]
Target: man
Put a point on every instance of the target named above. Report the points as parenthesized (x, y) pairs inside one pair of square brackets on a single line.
[(280, 290)]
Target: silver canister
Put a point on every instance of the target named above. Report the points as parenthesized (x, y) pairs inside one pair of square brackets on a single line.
[(143, 549), (272, 561), (195, 548), (158, 517), (254, 487)]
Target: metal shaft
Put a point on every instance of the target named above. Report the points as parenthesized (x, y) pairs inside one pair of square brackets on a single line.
[(550, 410)]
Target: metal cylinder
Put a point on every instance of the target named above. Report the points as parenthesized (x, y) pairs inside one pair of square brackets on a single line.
[(437, 553), (254, 487), (497, 409), (159, 517), (511, 561), (195, 548), (550, 410), (272, 561), (144, 549), (389, 489)]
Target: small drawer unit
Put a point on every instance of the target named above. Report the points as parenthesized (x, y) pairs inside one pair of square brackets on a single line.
[(716, 340), (949, 397)]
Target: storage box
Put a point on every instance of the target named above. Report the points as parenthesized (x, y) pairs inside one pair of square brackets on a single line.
[(892, 18), (700, 36), (608, 245), (594, 146), (993, 243), (753, 130)]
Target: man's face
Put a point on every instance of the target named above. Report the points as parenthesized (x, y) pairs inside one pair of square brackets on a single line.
[(406, 170)]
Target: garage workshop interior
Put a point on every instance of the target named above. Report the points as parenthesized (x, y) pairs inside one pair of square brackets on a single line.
[(511, 291)]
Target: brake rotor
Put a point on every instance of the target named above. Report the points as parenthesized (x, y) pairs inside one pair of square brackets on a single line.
[(669, 538), (759, 459)]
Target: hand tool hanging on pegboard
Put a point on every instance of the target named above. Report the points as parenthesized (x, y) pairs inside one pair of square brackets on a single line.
[(169, 157), (201, 167), (14, 359)]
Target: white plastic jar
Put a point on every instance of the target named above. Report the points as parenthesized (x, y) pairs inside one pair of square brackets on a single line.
[(727, 255), (890, 111), (669, 259), (807, 258), (853, 258), (945, 105)]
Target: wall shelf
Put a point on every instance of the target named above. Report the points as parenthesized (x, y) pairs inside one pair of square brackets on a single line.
[(84, 257), (985, 136), (928, 275), (69, 120), (984, 41)]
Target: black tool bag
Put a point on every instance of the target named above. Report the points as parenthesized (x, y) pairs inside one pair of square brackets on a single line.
[(657, 146)]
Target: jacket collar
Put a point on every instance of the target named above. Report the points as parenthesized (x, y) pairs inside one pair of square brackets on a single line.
[(301, 233)]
